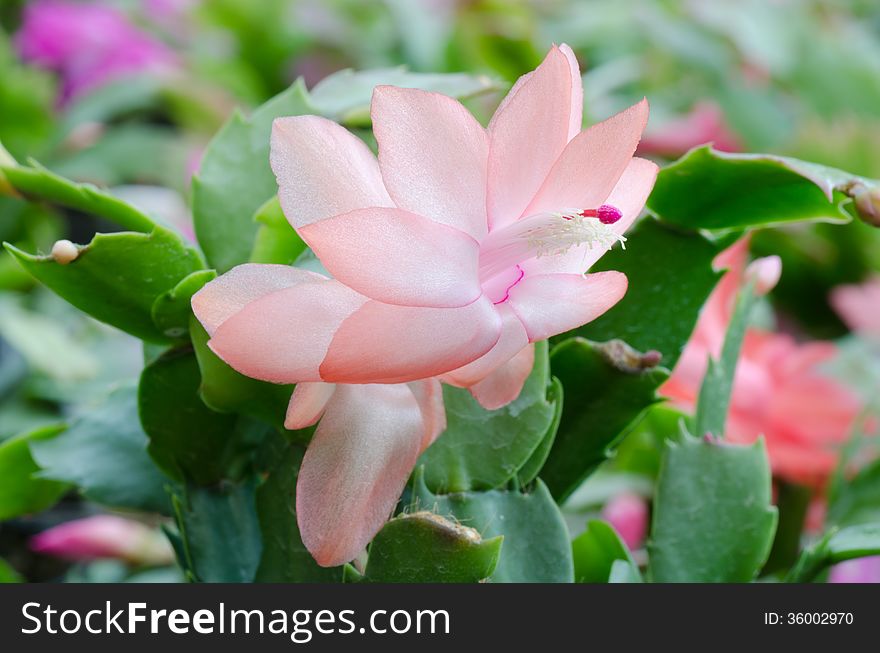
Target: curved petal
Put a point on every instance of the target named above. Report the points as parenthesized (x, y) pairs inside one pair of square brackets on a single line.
[(506, 382), (355, 468), (307, 404), (429, 394), (591, 165), (576, 120), (512, 340), (381, 343), (322, 170), (283, 337), (526, 135), (229, 293), (629, 195), (398, 257), (433, 156), (549, 304)]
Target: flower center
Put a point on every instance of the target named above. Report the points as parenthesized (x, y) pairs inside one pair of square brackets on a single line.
[(547, 234)]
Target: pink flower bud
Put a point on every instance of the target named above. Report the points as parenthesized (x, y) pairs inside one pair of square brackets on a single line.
[(859, 570), (104, 536), (628, 514), (765, 272)]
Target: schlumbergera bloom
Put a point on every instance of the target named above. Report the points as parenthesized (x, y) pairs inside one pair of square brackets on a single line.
[(779, 389), (88, 44), (451, 254), (859, 306)]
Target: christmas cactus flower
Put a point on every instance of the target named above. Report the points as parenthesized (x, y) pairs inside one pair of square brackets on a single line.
[(859, 306), (450, 254)]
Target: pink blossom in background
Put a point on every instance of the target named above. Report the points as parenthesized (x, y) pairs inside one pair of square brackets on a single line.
[(859, 570), (88, 44), (779, 389), (104, 536), (704, 124), (450, 255), (628, 514), (859, 306)]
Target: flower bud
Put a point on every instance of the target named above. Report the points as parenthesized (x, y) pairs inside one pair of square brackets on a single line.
[(867, 203), (765, 273), (628, 514)]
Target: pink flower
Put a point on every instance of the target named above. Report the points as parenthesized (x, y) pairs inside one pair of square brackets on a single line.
[(704, 124), (779, 390), (104, 536), (628, 514), (859, 570), (859, 306), (451, 254), (88, 44)]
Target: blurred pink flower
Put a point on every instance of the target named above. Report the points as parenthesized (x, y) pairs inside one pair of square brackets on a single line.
[(858, 570), (104, 536), (779, 390), (704, 124), (88, 44), (628, 514), (859, 306), (453, 253)]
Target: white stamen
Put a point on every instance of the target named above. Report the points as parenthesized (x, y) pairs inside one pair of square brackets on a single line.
[(568, 230)]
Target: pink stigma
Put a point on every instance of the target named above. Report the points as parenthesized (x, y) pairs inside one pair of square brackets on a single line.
[(608, 214)]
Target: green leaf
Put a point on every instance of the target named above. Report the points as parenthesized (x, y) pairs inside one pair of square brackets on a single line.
[(21, 491), (188, 439), (712, 519), (482, 449), (284, 558), (425, 548), (607, 389), (345, 95), (235, 180), (837, 546), (276, 241), (219, 533), (717, 385), (706, 189), (104, 454), (856, 500), (595, 550), (622, 571), (8, 574), (532, 467), (36, 183), (536, 543), (117, 277), (227, 391), (670, 277), (171, 312)]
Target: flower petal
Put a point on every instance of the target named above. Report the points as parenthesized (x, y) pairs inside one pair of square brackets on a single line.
[(229, 293), (355, 468), (506, 382), (283, 337), (322, 170), (381, 343), (576, 120), (629, 195), (398, 257), (307, 404), (526, 135), (433, 156), (429, 394), (591, 164), (512, 340), (549, 304)]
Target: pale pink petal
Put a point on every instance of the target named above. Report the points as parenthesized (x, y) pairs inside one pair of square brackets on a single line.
[(526, 136), (859, 306), (283, 337), (355, 468), (765, 273), (398, 257), (322, 170), (512, 340), (504, 384), (433, 156), (577, 92), (592, 164), (549, 304), (429, 394), (226, 295), (381, 343), (629, 196), (307, 404)]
